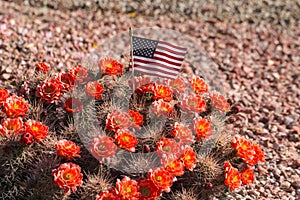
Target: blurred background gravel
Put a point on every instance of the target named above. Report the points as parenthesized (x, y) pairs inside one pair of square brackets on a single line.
[(255, 45)]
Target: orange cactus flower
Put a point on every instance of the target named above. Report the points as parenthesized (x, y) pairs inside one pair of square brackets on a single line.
[(173, 165), (139, 81), (79, 74), (259, 154), (220, 102), (117, 120), (247, 176), (193, 103), (73, 105), (11, 126), (146, 90), (94, 89), (15, 106), (250, 153), (49, 90), (162, 108), (136, 118), (38, 130), (202, 128), (161, 178), (107, 195), (43, 67), (168, 146), (148, 190), (66, 81), (68, 176), (103, 147), (3, 95), (199, 85), (163, 92), (189, 158), (232, 177), (177, 85), (126, 140), (110, 66), (127, 189), (183, 133), (67, 149)]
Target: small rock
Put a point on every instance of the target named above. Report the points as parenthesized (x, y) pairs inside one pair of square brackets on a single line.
[(296, 184), (285, 185)]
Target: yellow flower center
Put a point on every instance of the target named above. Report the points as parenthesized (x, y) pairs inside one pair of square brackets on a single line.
[(126, 138), (109, 65), (67, 176), (101, 147), (187, 157), (16, 106), (158, 178), (128, 189), (35, 128)]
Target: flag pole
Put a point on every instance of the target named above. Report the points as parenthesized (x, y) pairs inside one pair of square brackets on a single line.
[(131, 56)]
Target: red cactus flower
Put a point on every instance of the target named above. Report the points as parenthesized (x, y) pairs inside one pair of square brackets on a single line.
[(68, 176), (3, 95), (67, 149), (139, 81), (220, 102), (117, 120), (27, 139), (136, 118), (259, 154), (126, 140), (161, 178), (110, 66), (146, 90), (43, 67), (15, 106), (162, 108), (232, 177), (49, 90), (94, 89), (79, 74), (38, 130), (247, 176), (148, 190), (127, 189), (202, 128), (177, 85), (103, 147), (168, 146), (193, 103), (73, 105), (163, 92), (183, 133), (107, 195), (199, 85), (11, 126), (173, 165), (66, 81), (189, 158), (246, 150)]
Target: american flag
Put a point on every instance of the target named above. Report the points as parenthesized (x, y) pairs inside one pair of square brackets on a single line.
[(157, 58)]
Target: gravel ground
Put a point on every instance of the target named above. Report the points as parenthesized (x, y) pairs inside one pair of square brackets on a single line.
[(255, 46)]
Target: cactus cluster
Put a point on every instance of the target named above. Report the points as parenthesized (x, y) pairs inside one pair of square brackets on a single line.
[(96, 134)]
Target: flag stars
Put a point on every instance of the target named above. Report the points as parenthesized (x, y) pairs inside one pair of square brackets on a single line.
[(144, 47)]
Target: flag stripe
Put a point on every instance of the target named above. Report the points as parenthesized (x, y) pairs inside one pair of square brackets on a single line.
[(160, 54), (159, 45), (177, 47), (158, 61), (170, 51), (157, 68), (155, 73), (170, 69)]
